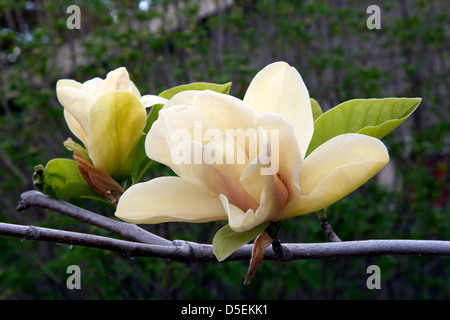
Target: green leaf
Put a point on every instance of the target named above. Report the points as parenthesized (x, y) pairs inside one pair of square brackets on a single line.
[(373, 117), (226, 241), (61, 179), (221, 88), (316, 109)]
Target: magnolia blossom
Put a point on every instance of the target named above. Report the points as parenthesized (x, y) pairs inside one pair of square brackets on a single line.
[(108, 116), (277, 100)]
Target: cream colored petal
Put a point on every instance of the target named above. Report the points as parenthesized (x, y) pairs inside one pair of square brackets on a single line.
[(157, 145), (183, 98), (174, 127), (117, 120), (149, 100), (116, 80), (78, 103), (222, 163), (335, 169), (68, 83), (227, 111), (166, 199), (135, 90), (76, 129), (279, 88), (92, 86), (241, 221), (285, 153), (259, 174)]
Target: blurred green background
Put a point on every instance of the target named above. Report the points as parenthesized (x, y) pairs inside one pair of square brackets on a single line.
[(168, 43)]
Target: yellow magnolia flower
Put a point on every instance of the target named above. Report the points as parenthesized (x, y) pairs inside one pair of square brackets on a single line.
[(108, 116), (243, 160)]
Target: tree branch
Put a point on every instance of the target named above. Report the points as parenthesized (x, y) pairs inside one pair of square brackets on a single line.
[(189, 252), (126, 230), (147, 244)]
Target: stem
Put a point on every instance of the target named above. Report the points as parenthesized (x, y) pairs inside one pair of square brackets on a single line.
[(332, 236), (126, 230), (189, 252), (147, 244)]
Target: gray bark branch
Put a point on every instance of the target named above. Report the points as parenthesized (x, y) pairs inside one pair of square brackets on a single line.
[(146, 244), (126, 230), (189, 252)]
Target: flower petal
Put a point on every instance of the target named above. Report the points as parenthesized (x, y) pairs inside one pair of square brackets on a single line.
[(183, 98), (116, 80), (77, 102), (92, 86), (174, 127), (68, 83), (117, 120), (76, 128), (150, 100), (167, 199), (228, 112), (241, 221), (335, 169), (279, 88), (285, 153), (221, 166)]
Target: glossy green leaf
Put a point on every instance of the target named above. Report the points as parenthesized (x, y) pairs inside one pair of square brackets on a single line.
[(61, 179), (316, 109), (373, 117), (221, 88), (226, 241)]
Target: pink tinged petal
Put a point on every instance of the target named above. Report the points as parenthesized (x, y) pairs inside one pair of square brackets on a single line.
[(220, 169), (259, 175), (166, 199), (116, 80), (241, 221), (279, 88), (335, 169), (285, 153)]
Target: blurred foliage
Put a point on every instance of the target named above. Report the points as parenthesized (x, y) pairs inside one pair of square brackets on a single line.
[(168, 43)]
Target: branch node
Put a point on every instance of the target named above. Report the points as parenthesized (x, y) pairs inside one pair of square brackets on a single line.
[(22, 206), (31, 233)]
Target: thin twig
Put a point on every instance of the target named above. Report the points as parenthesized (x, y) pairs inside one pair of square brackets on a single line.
[(126, 230), (332, 236), (189, 252)]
